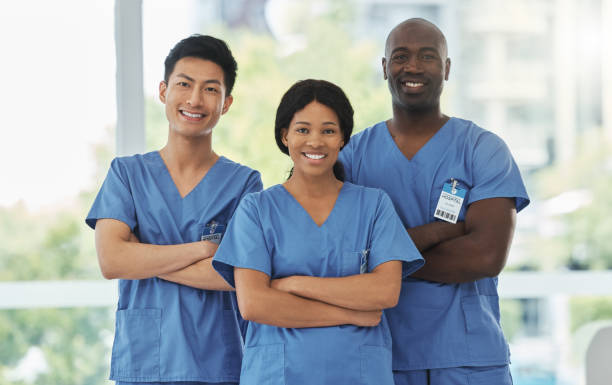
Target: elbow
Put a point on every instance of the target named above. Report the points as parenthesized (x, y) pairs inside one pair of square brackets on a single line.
[(246, 311), (107, 269), (390, 298), (494, 264), (108, 273), (248, 307)]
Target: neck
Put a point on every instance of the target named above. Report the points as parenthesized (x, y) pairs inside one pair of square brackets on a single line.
[(313, 186), (417, 122), (184, 153)]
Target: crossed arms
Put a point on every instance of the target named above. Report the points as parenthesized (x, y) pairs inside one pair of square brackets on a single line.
[(454, 253), (121, 255)]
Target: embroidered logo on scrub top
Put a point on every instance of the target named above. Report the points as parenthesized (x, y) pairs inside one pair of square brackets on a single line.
[(213, 232), (449, 204), (363, 261)]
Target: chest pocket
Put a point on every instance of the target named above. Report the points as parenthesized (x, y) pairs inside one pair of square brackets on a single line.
[(354, 262), (436, 191)]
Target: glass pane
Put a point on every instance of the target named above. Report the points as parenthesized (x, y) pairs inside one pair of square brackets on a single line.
[(58, 125)]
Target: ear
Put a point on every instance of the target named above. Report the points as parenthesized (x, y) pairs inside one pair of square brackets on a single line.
[(227, 103), (163, 86), (284, 132), (384, 66), (447, 68)]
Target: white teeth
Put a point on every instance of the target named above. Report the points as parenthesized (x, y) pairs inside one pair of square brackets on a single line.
[(191, 115), (314, 156), (412, 84)]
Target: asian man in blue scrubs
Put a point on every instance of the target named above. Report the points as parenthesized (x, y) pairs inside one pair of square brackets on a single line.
[(158, 219), (457, 190)]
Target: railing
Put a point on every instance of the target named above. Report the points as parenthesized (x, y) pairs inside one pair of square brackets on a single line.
[(39, 294)]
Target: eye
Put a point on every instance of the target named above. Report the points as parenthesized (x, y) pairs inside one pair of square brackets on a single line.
[(211, 89), (301, 130), (399, 58), (329, 131), (182, 84), (427, 56)]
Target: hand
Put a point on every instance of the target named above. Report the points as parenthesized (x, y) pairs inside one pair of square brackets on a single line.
[(210, 248), (367, 318)]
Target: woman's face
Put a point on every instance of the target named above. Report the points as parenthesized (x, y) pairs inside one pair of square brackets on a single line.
[(314, 139)]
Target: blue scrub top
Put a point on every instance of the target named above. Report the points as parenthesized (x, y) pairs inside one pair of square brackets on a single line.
[(165, 331), (272, 233), (440, 325)]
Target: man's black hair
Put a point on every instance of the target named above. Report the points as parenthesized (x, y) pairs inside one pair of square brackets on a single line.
[(207, 48)]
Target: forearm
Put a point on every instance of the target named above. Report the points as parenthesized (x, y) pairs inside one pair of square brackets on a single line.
[(464, 259), (133, 260), (274, 307), (431, 234), (200, 275), (365, 292), (481, 252)]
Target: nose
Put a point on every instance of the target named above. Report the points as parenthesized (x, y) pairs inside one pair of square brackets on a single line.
[(195, 98), (413, 64), (314, 140)]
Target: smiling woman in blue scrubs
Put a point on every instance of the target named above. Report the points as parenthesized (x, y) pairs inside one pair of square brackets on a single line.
[(158, 219), (315, 260)]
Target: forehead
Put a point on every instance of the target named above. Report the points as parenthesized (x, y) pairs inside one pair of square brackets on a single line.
[(415, 35), (198, 69), (315, 111)]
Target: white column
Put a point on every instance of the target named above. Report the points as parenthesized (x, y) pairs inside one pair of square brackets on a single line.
[(565, 79), (606, 66), (130, 134)]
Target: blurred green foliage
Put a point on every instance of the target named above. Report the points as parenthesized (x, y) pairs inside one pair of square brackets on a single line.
[(578, 239), (584, 310)]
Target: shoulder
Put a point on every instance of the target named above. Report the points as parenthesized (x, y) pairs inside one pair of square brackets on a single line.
[(232, 167), (368, 134), (132, 164), (366, 196), (264, 197), (473, 133)]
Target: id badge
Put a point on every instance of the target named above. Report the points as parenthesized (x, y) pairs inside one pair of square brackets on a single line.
[(363, 261), (450, 202), (213, 232)]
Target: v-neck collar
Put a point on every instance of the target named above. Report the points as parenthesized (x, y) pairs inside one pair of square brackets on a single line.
[(167, 175), (432, 143), (307, 214)]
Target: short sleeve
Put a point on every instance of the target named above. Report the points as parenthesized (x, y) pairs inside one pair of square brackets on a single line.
[(243, 245), (114, 200), (253, 183), (390, 240), (496, 173), (346, 158)]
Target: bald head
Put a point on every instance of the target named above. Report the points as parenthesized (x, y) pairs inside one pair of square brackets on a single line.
[(416, 65), (420, 29)]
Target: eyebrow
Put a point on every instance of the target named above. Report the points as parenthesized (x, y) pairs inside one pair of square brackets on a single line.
[(182, 75), (434, 49), (308, 123)]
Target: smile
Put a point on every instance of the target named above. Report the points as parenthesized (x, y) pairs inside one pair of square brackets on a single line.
[(190, 115), (314, 156), (413, 84)]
